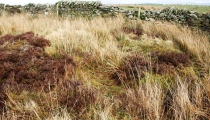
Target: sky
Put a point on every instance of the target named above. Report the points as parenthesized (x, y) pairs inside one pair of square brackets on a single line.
[(23, 2)]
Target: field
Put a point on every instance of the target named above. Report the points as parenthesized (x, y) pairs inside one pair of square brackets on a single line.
[(103, 69), (197, 8)]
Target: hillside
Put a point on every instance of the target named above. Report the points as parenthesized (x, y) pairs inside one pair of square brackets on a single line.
[(102, 68)]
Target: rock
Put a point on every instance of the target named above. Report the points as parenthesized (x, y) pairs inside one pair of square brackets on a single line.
[(151, 19), (192, 12), (142, 15), (103, 7), (162, 15), (173, 18), (12, 10), (171, 9), (46, 13), (91, 9), (193, 16), (157, 13), (208, 15), (130, 16), (122, 11)]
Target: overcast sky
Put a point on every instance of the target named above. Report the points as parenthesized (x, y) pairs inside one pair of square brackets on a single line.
[(22, 2)]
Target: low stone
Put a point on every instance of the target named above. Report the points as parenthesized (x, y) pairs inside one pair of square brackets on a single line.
[(193, 16), (162, 15), (122, 11), (103, 7), (208, 15), (151, 19), (157, 13), (130, 16), (192, 12), (173, 17)]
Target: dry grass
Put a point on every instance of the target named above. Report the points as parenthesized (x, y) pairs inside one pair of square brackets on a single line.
[(88, 36), (98, 48), (194, 42)]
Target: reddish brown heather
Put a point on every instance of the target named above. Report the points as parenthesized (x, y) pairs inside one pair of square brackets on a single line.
[(166, 62), (135, 66), (76, 96), (25, 65), (135, 31)]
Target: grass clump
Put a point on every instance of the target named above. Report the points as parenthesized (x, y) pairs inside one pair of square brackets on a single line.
[(134, 67)]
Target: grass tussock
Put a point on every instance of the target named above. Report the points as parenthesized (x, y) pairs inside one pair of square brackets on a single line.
[(136, 66), (118, 69)]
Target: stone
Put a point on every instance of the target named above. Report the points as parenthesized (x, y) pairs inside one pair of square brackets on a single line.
[(208, 15), (151, 19), (46, 13), (192, 12), (193, 16), (130, 16), (95, 8), (173, 17), (162, 15), (157, 13)]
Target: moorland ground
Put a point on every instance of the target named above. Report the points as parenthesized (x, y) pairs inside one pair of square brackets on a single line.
[(102, 68)]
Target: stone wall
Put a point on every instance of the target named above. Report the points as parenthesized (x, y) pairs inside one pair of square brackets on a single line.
[(37, 8), (77, 8), (182, 16), (29, 8), (95, 8)]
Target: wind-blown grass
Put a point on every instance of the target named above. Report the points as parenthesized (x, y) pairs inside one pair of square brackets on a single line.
[(101, 47)]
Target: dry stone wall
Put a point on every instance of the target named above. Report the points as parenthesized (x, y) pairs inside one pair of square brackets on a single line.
[(95, 8), (183, 16), (77, 8)]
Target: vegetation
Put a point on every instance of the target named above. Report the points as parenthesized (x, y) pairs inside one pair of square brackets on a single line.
[(102, 68), (196, 8)]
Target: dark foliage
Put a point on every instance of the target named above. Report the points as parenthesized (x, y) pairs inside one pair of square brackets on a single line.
[(174, 58), (132, 68), (25, 65), (76, 97), (135, 66), (135, 31), (2, 98)]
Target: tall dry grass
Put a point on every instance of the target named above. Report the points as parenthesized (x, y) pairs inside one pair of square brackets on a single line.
[(83, 35), (92, 42), (194, 42)]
